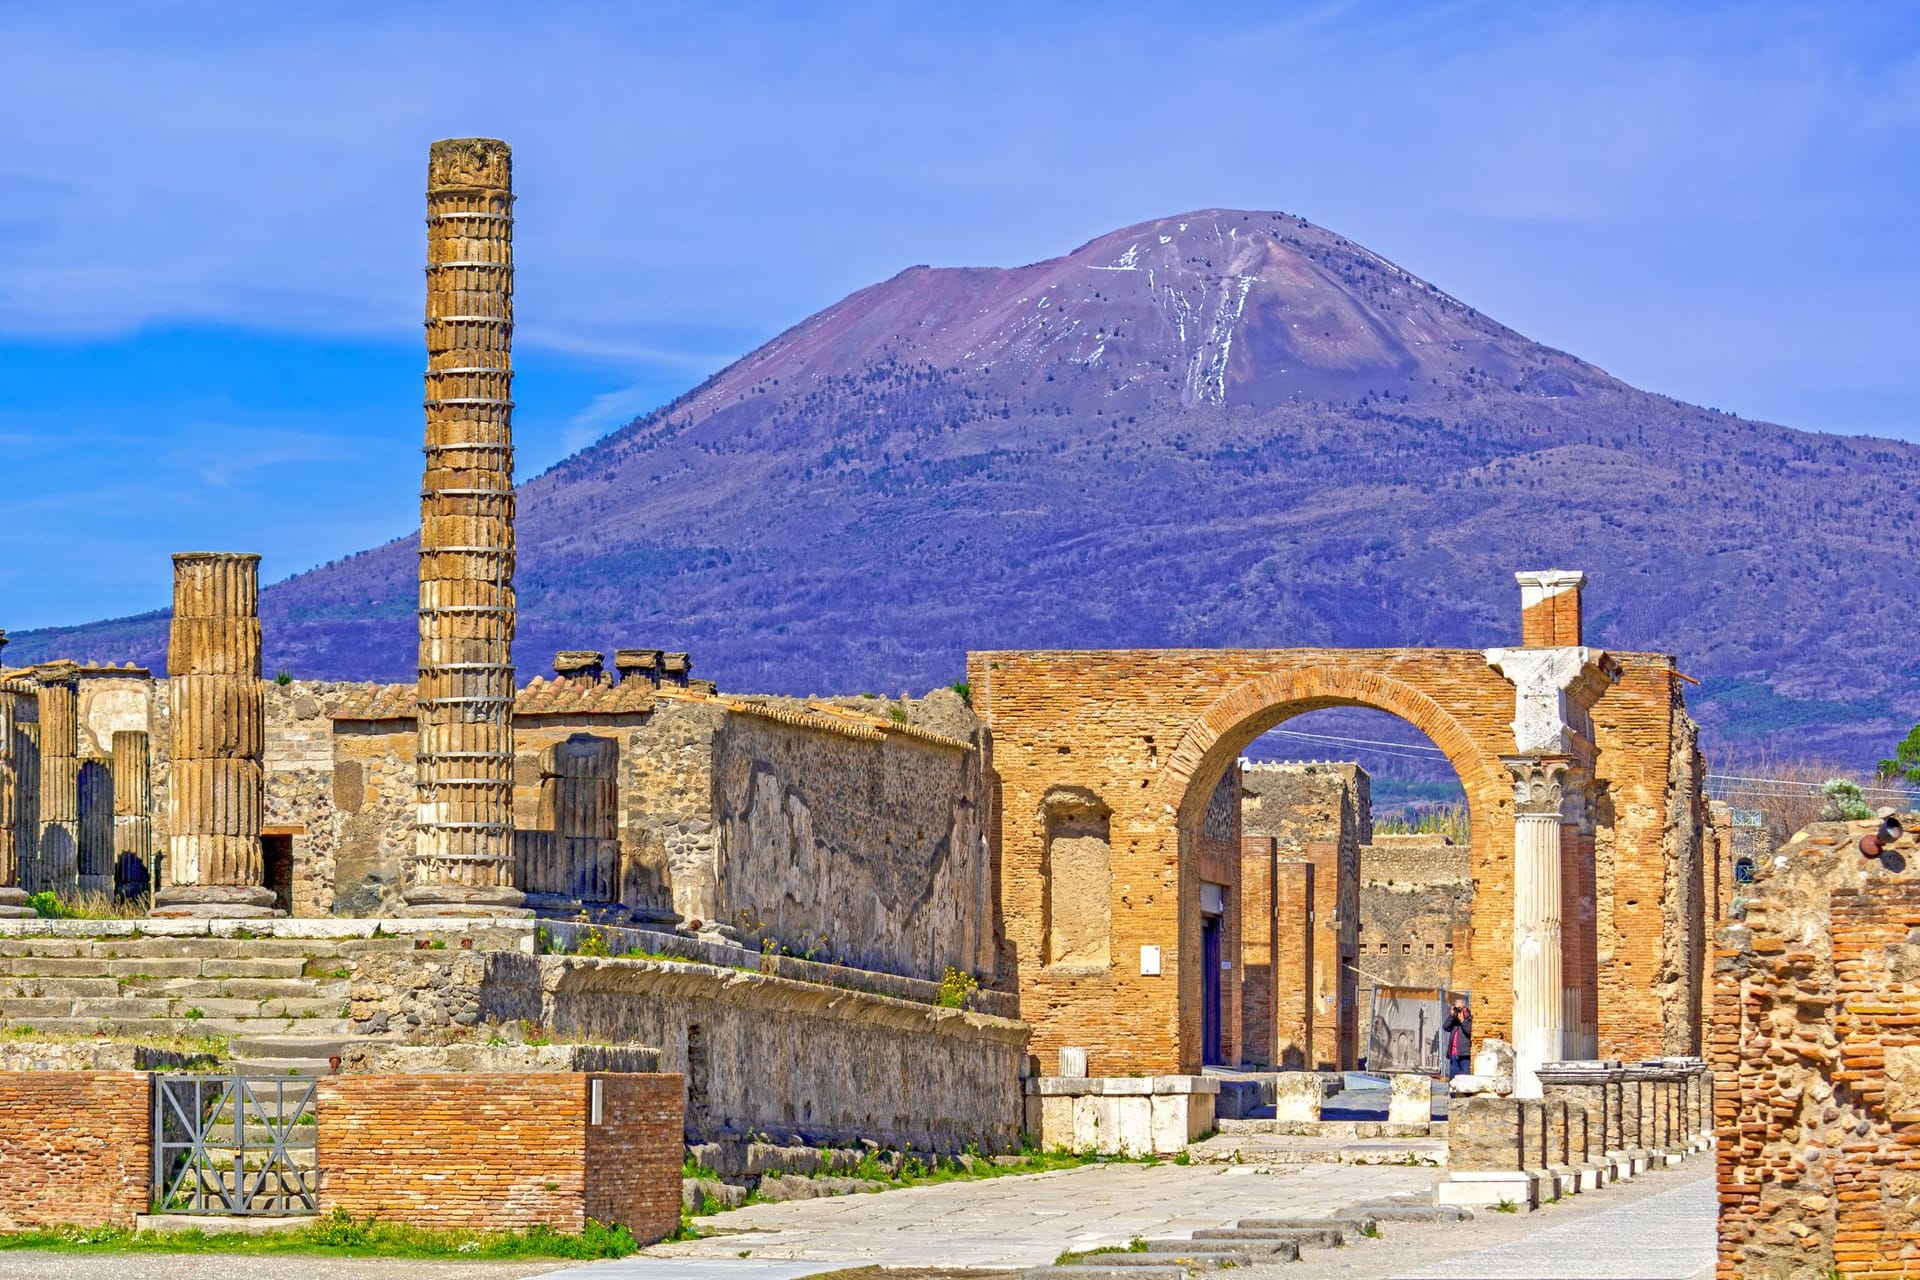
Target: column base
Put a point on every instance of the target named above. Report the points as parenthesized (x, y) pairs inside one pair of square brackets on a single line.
[(13, 904), (214, 901), (469, 900)]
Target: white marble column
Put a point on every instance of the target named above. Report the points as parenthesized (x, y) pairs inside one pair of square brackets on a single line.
[(1538, 1036)]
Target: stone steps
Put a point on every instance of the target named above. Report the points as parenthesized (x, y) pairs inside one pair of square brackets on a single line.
[(1250, 1242)]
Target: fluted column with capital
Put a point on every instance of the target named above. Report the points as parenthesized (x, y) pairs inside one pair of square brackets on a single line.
[(1539, 790), (56, 865)]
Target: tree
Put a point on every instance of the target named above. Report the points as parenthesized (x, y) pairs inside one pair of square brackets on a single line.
[(1905, 765)]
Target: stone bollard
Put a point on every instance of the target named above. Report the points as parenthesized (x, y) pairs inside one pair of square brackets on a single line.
[(1297, 1096), (1494, 1063), (1411, 1101)]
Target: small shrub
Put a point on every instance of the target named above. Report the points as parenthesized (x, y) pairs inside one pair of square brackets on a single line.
[(964, 689), (283, 677), (956, 989)]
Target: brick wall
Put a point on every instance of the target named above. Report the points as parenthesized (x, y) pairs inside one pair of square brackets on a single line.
[(1816, 1045), (75, 1146), (1259, 947), (1149, 732), (500, 1152), (1416, 900), (1219, 850)]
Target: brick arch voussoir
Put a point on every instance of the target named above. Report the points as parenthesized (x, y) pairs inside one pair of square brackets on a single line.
[(1242, 714)]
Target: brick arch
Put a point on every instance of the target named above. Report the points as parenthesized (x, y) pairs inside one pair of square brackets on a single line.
[(1231, 724)]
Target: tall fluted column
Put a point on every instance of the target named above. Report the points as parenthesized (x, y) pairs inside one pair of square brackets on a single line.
[(26, 778), (1538, 1037), (463, 854), (57, 864), (12, 897), (132, 811), (216, 780), (95, 851)]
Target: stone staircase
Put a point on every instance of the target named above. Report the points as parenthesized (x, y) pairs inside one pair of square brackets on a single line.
[(281, 1003), (1249, 1242)]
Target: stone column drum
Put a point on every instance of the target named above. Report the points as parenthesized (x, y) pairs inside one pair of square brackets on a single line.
[(26, 778), (132, 811), (56, 864), (96, 825), (216, 783), (12, 897), (463, 852), (1537, 996)]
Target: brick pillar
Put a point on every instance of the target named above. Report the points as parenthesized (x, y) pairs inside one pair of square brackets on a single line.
[(216, 783), (1538, 991), (463, 853), (12, 897), (1550, 608), (96, 825), (56, 866), (132, 811)]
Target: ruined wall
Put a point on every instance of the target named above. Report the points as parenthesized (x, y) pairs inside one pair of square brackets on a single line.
[(866, 849), (788, 1059), (1816, 1045), (1645, 875), (1219, 851), (1318, 813), (75, 1147), (1416, 910)]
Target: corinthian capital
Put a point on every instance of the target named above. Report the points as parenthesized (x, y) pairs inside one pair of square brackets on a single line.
[(1539, 783)]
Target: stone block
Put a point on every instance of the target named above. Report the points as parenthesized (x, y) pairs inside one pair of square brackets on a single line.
[(1411, 1100), (1297, 1097), (1073, 1063), (1488, 1189)]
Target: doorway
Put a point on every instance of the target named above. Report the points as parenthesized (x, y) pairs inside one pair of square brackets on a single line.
[(1210, 989), (276, 857)]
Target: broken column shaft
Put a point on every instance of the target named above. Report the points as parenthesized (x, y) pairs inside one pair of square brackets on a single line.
[(95, 849), (132, 811), (463, 855), (56, 864), (216, 781), (12, 897)]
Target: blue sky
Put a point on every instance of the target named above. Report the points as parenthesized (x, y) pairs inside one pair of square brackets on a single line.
[(210, 238)]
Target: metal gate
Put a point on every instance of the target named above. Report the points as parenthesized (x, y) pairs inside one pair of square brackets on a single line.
[(235, 1144)]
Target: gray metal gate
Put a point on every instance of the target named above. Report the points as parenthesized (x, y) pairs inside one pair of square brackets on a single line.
[(235, 1144)]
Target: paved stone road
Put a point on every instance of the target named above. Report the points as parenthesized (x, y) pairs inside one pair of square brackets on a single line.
[(1030, 1219), (1665, 1236)]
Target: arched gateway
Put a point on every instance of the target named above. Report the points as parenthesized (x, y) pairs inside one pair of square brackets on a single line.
[(1581, 774)]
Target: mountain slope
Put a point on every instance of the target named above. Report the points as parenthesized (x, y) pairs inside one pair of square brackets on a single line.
[(1225, 428)]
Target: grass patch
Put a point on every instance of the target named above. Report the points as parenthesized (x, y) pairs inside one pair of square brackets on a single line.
[(340, 1234), (1071, 1256), (49, 905)]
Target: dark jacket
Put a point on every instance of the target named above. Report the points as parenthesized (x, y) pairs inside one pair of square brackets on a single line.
[(1459, 1029)]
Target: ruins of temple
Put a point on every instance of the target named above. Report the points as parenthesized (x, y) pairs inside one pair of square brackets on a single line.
[(826, 920)]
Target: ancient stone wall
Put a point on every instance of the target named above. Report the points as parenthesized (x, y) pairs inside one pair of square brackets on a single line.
[(1318, 813), (1816, 1043), (1416, 909), (788, 1059)]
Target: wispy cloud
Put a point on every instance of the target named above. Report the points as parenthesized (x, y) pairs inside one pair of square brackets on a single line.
[(605, 413)]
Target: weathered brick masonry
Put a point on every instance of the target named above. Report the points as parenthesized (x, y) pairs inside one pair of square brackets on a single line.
[(75, 1146), (1146, 734), (501, 1152), (1816, 1040)]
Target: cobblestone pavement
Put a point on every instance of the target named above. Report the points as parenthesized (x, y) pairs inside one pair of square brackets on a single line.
[(1031, 1219), (1657, 1227)]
